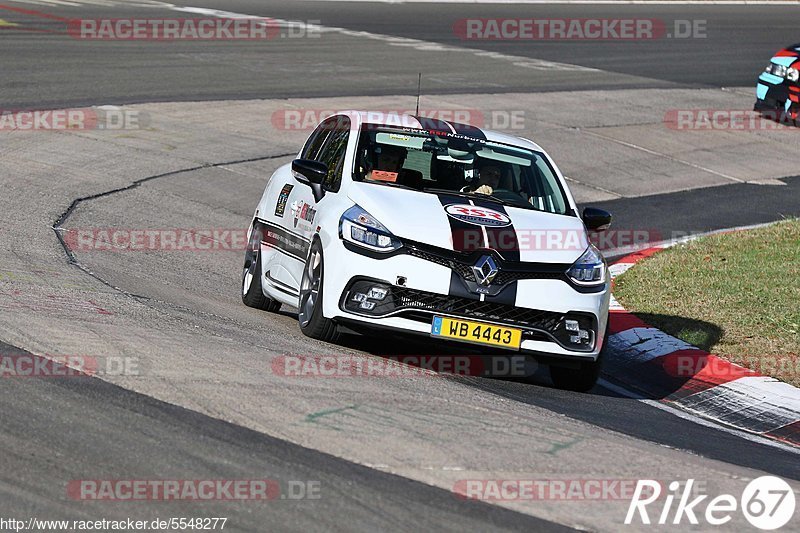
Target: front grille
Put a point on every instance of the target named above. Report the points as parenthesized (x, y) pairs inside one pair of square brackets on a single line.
[(462, 268), (507, 276), (402, 298), (462, 265), (378, 299), (405, 298)]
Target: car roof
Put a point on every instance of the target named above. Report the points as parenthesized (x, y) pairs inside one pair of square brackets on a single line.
[(385, 118)]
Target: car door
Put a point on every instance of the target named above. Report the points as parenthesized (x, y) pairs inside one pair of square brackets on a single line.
[(329, 147)]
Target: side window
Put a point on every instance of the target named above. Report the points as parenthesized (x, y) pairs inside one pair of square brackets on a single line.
[(333, 152), (316, 141)]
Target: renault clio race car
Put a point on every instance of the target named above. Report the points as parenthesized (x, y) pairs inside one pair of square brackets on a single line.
[(778, 88), (433, 228)]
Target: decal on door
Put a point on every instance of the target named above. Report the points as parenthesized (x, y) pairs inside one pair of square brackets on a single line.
[(478, 216), (304, 215), (283, 197)]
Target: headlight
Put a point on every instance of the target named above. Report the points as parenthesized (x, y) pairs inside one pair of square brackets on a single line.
[(792, 74), (779, 70), (589, 269), (362, 229)]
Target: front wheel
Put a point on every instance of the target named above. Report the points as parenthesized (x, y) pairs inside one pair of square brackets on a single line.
[(580, 379), (312, 323), (583, 378)]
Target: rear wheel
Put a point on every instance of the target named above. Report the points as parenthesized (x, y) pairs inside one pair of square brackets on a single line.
[(252, 293), (312, 323)]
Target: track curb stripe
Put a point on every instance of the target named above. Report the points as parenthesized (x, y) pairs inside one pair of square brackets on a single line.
[(668, 369)]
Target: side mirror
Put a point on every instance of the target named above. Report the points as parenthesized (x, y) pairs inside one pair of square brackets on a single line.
[(312, 173), (596, 219)]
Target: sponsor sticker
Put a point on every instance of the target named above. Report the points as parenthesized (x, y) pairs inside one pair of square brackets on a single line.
[(283, 197), (304, 214), (382, 175), (479, 216)]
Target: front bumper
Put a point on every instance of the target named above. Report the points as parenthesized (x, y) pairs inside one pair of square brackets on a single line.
[(777, 98), (421, 289)]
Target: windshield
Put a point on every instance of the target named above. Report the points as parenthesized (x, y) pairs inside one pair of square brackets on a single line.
[(444, 162)]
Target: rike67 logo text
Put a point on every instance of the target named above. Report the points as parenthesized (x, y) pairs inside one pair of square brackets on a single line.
[(768, 503)]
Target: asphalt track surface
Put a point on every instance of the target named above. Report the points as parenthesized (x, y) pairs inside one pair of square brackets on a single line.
[(135, 429), (47, 68), (57, 430)]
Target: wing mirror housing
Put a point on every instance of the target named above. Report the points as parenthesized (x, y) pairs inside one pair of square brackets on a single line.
[(596, 219), (311, 173)]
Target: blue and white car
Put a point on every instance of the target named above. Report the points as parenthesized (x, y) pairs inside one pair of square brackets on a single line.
[(778, 88), (432, 228)]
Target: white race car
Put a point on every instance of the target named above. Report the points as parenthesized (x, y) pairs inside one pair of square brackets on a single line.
[(428, 227)]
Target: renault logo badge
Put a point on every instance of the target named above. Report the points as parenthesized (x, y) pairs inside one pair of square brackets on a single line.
[(485, 270)]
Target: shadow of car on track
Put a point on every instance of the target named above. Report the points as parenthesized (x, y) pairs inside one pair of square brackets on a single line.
[(654, 378), (672, 374)]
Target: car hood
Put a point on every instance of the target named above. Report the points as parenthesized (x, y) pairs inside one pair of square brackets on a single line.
[(469, 223), (787, 56)]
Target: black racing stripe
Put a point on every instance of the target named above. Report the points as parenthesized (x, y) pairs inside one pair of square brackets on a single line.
[(434, 124), (508, 296), (503, 239), (468, 130), (457, 288), (466, 237)]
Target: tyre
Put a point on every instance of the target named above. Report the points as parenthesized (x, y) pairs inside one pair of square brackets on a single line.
[(312, 323), (252, 293), (580, 379)]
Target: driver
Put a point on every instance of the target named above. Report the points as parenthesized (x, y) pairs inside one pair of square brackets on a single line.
[(388, 163), (488, 179)]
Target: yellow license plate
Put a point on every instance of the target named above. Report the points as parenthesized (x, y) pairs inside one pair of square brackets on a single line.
[(477, 332)]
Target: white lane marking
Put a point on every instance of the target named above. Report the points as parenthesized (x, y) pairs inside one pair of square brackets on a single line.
[(593, 186), (645, 344), (752, 437), (107, 3), (156, 3), (147, 3), (47, 3), (602, 2), (662, 155), (617, 269), (766, 403), (614, 305), (417, 44)]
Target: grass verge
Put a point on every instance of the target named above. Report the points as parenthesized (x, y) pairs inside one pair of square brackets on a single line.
[(736, 295)]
